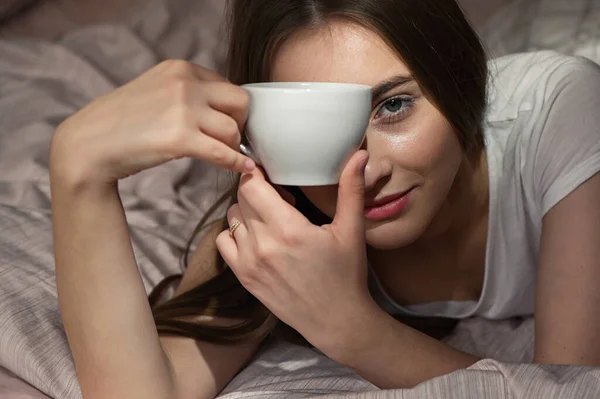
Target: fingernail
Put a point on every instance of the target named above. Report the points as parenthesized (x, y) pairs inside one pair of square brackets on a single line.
[(249, 165)]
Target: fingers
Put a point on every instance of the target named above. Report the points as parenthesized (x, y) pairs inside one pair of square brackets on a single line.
[(219, 110), (221, 127), (227, 247), (349, 215), (229, 99), (235, 220), (224, 119), (259, 201), (220, 94), (209, 149), (185, 68), (206, 74), (227, 241)]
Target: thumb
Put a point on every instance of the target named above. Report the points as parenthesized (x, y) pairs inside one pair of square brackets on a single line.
[(349, 213)]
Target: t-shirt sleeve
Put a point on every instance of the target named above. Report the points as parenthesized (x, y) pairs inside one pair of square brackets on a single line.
[(566, 133)]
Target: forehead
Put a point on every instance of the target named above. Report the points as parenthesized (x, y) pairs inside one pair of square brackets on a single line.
[(341, 51)]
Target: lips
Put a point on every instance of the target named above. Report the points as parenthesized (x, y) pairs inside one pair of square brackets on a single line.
[(389, 206), (386, 199)]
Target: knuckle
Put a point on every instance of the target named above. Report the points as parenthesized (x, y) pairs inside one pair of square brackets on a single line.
[(231, 127), (243, 98), (358, 189), (265, 253), (247, 276), (179, 90), (248, 273), (238, 97), (231, 131), (213, 86), (210, 87), (220, 240), (176, 67), (233, 211), (246, 187), (174, 146), (289, 235), (222, 156)]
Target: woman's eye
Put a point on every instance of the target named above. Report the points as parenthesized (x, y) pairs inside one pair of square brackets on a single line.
[(394, 108), (394, 105)]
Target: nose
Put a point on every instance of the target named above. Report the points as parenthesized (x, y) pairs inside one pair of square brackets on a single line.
[(379, 168)]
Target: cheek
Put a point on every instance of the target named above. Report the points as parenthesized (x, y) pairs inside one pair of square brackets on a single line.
[(323, 197), (431, 149), (444, 153), (430, 153)]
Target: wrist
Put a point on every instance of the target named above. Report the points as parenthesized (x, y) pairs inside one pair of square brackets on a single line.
[(354, 337), (66, 185), (72, 179), (70, 185), (72, 168)]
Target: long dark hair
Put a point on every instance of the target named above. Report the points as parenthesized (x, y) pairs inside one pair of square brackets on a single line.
[(435, 41)]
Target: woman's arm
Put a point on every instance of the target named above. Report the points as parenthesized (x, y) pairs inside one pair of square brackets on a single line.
[(109, 324), (567, 313), (102, 299), (390, 354), (562, 146), (314, 278), (567, 316), (162, 115)]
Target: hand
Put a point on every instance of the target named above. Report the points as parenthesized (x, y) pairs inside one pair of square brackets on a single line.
[(312, 278), (177, 109)]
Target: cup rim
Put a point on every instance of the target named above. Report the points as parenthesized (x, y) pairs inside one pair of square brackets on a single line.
[(303, 87)]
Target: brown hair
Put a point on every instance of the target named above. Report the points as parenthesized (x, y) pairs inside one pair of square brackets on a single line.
[(434, 40)]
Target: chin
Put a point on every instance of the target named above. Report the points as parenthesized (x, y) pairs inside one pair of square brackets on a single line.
[(392, 235)]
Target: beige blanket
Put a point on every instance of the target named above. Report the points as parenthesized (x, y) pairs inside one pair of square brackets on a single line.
[(41, 83)]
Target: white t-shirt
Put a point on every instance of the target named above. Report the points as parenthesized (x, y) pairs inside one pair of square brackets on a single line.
[(542, 135)]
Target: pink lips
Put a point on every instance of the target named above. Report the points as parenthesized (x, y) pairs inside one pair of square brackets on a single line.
[(388, 207)]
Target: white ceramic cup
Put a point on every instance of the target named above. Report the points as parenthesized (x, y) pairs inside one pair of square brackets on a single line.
[(303, 133)]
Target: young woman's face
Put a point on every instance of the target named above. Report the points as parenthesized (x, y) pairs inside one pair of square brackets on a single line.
[(414, 152)]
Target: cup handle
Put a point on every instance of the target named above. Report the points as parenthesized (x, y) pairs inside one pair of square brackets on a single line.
[(247, 151)]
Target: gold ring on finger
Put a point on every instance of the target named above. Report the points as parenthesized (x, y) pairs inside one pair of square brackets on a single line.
[(233, 228)]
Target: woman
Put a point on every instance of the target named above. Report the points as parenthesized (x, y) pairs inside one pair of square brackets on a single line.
[(451, 214)]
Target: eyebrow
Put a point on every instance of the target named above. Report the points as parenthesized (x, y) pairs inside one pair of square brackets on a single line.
[(389, 84)]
